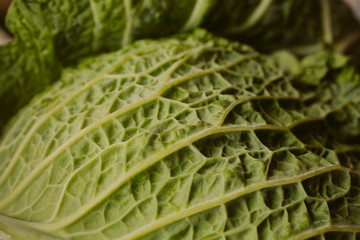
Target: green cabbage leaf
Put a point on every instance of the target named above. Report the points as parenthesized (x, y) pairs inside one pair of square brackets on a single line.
[(192, 137), (49, 35)]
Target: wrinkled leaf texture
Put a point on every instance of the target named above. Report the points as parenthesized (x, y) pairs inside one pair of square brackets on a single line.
[(185, 138), (52, 34)]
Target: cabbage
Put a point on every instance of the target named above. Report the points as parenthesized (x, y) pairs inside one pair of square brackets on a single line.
[(49, 35), (190, 137)]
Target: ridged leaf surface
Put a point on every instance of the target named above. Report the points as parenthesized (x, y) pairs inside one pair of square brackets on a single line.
[(186, 138)]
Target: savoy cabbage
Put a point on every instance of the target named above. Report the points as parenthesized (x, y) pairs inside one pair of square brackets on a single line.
[(49, 35), (190, 137)]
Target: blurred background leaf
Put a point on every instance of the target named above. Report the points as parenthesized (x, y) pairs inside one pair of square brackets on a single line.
[(355, 7)]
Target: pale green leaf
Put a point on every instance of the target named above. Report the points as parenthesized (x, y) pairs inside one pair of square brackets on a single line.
[(192, 137)]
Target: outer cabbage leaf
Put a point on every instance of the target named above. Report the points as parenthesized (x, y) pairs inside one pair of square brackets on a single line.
[(52, 34), (192, 137)]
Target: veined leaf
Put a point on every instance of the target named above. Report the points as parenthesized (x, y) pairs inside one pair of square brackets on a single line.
[(51, 34), (192, 137)]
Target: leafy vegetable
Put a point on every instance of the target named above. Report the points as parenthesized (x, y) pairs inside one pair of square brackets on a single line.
[(50, 35), (191, 137)]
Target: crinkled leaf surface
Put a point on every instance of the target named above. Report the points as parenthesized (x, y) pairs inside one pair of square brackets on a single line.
[(188, 138), (53, 34)]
